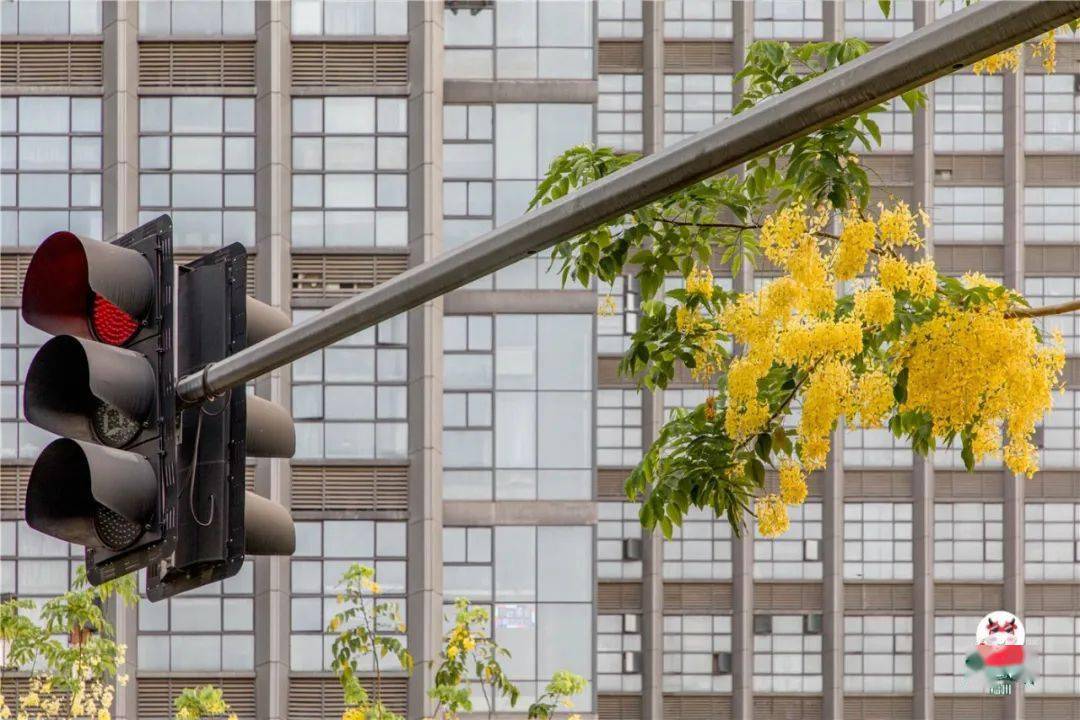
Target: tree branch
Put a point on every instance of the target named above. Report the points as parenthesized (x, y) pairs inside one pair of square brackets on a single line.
[(732, 226), (1044, 311)]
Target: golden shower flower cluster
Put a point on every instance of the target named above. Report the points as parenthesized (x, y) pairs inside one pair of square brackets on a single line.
[(1044, 49), (975, 370), (961, 359)]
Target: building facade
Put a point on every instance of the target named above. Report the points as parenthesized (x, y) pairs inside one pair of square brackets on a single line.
[(477, 446)]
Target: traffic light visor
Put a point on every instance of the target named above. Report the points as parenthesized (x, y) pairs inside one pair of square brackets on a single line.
[(87, 288), (89, 391), (91, 495)]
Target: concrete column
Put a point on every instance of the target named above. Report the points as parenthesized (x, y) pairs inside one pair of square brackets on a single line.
[(652, 584), (832, 556), (742, 548), (832, 528), (424, 575), (922, 479), (120, 213), (273, 158), (120, 161), (1013, 515), (652, 567), (652, 12)]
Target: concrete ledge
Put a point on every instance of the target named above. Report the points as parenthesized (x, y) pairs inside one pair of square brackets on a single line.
[(520, 301), (519, 512), (496, 91)]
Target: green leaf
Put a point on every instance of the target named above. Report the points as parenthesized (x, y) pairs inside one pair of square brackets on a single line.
[(966, 453), (756, 472), (763, 446)]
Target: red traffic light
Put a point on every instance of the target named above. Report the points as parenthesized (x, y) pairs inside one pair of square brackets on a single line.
[(95, 290)]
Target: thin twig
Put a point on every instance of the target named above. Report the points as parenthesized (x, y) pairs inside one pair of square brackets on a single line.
[(733, 226)]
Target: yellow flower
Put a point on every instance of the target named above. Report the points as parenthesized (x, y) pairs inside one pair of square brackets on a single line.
[(354, 713), (874, 395), (607, 306), (700, 282), (772, 515), (104, 714), (897, 225), (30, 699), (793, 488), (335, 623), (1006, 59), (853, 249), (686, 320), (825, 399), (922, 279), (974, 367), (875, 306), (452, 652), (1046, 48), (1022, 458)]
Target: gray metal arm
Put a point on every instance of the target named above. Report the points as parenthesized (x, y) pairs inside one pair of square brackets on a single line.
[(913, 60)]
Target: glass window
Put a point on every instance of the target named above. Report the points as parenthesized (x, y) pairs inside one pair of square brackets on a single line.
[(787, 659), (619, 18), (51, 158), (349, 400), (795, 554), (692, 19), (182, 138), (968, 214), (518, 407), (864, 19), (1056, 661), (329, 548), (546, 625), (954, 639), (877, 654), (690, 642), (1060, 446), (612, 641), (197, 17), (349, 17), (1050, 291), (1051, 113), (526, 40), (618, 112), (876, 447), (968, 113), (52, 17), (699, 549), (877, 541), (788, 19), (210, 628), (349, 172), (20, 439), (967, 541), (1052, 541), (616, 523), (618, 427), (693, 103), (1052, 214)]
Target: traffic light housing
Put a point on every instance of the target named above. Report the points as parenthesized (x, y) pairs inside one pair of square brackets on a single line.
[(106, 385), (135, 477), (218, 521)]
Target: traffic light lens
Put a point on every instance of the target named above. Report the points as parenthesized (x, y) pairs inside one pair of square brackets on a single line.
[(111, 324), (114, 530), (112, 427)]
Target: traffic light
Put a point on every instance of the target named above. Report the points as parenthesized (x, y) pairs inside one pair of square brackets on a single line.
[(218, 521), (106, 385), (137, 478)]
